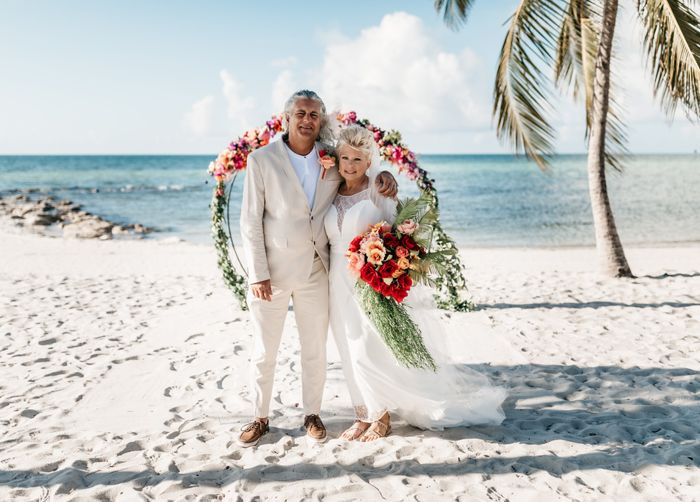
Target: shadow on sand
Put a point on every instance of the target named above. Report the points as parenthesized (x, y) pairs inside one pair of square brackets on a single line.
[(635, 416)]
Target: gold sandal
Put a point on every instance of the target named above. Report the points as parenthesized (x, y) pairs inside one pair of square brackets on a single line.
[(358, 427), (377, 430)]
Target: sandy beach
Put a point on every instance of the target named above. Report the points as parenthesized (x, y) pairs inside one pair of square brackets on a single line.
[(125, 377)]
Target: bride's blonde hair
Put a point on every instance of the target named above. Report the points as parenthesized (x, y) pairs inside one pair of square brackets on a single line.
[(357, 137)]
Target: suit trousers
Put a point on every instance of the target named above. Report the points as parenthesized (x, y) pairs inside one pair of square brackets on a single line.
[(310, 302)]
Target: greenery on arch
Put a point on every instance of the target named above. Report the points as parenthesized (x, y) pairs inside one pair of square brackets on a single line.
[(451, 285)]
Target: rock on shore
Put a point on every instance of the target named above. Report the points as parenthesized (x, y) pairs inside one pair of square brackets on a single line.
[(48, 216)]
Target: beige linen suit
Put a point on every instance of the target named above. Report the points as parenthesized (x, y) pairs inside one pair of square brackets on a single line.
[(284, 240)]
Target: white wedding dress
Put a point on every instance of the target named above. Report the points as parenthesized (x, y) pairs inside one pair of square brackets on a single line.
[(452, 396)]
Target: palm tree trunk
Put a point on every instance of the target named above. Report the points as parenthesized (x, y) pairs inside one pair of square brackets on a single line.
[(610, 253)]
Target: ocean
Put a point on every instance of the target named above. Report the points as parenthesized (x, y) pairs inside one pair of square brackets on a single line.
[(485, 200)]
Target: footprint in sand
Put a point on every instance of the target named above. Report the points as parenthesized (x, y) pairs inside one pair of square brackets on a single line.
[(132, 446), (192, 337), (174, 391)]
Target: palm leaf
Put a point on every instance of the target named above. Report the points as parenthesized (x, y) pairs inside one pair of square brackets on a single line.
[(522, 94), (672, 43), (577, 44), (413, 208), (454, 12), (574, 69)]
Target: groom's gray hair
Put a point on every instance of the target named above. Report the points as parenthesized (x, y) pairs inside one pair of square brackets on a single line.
[(326, 134)]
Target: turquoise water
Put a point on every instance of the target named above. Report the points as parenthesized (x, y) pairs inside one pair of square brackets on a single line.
[(485, 200)]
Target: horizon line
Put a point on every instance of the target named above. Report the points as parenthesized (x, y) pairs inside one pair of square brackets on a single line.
[(512, 154)]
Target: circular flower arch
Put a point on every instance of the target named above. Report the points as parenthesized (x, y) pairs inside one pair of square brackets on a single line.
[(450, 283)]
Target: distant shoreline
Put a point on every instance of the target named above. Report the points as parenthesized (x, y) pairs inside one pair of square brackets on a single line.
[(420, 154), (486, 201)]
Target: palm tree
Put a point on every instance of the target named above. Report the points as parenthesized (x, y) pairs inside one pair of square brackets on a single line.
[(575, 39)]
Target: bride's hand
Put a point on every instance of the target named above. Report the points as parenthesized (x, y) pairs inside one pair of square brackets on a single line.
[(386, 185)]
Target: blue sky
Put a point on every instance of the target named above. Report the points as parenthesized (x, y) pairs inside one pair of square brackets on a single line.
[(186, 77)]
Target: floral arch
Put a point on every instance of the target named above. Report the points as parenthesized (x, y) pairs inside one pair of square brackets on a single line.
[(450, 283)]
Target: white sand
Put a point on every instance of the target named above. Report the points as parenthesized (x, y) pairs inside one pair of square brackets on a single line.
[(124, 370)]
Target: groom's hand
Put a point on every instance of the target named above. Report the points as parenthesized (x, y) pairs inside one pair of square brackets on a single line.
[(262, 290), (386, 185)]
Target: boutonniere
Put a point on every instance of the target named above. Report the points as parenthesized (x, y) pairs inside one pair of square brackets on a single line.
[(327, 160)]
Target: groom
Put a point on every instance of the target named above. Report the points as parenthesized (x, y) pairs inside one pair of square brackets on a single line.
[(285, 199)]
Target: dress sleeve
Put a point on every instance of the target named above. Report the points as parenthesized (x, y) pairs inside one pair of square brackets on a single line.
[(386, 206)]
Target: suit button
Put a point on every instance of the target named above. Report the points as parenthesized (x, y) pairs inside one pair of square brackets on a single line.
[(312, 218)]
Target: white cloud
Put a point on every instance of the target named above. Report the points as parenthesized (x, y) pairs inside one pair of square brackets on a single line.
[(199, 118), (284, 86), (395, 74), (237, 104)]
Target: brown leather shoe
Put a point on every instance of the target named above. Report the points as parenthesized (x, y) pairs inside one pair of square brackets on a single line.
[(252, 432), (315, 430)]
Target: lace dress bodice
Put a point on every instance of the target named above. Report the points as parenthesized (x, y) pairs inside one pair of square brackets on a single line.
[(350, 215), (343, 203)]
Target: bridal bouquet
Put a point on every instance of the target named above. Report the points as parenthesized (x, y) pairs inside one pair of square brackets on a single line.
[(388, 260)]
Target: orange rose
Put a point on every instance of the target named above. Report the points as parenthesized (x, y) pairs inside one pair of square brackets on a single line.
[(403, 263), (376, 253)]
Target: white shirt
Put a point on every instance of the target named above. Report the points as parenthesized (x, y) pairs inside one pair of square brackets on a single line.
[(308, 170)]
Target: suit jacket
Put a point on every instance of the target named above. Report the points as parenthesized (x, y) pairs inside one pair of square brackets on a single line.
[(280, 232)]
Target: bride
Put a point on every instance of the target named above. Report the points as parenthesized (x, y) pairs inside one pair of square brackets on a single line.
[(378, 384)]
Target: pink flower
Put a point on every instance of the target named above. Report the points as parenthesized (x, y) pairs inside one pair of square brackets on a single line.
[(264, 137), (347, 118), (355, 263), (407, 227), (327, 162), (367, 241), (402, 252)]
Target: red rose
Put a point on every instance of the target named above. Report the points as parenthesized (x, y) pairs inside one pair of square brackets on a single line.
[(322, 153), (398, 294), (390, 240), (355, 244), (376, 282), (385, 289), (405, 282), (388, 268), (408, 242), (367, 272)]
